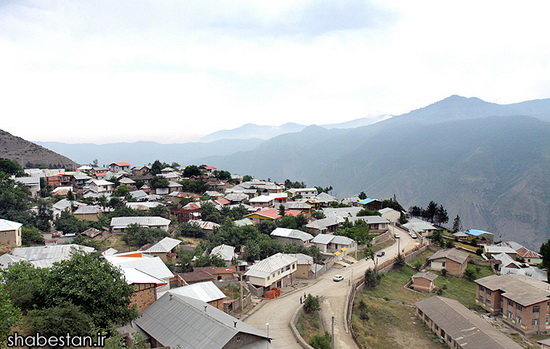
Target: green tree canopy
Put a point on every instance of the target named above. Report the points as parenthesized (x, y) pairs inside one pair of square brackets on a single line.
[(11, 167)]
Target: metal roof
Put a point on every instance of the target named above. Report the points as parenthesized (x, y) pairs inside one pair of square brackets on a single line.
[(267, 266), (521, 289), (153, 266), (476, 232), (225, 252), (6, 225), (58, 252), (164, 245), (136, 276), (179, 321), (204, 291), (465, 327), (292, 234), (146, 221)]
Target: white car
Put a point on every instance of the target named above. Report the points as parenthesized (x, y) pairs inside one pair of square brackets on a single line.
[(337, 278), (414, 236), (396, 235)]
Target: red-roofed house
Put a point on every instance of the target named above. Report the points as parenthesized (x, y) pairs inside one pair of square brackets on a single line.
[(209, 169), (293, 213), (119, 166), (223, 202)]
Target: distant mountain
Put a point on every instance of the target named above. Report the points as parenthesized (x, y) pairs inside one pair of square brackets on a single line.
[(486, 162), (30, 154), (143, 153), (248, 131)]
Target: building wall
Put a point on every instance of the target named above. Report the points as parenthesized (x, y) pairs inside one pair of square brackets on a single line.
[(144, 295), (218, 303), (242, 339), (303, 271), (88, 217), (490, 300), (451, 266), (10, 237), (422, 284), (527, 319)]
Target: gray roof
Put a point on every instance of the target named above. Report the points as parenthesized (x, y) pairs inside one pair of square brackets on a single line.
[(164, 245), (267, 266), (325, 222), (225, 252), (452, 254), (425, 275), (521, 289), (292, 234), (370, 219), (465, 327), (204, 291), (145, 221), (57, 252), (6, 225), (153, 266), (179, 321), (325, 239), (417, 225), (302, 258), (243, 222)]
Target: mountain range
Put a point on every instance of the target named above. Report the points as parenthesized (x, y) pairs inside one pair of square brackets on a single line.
[(488, 163)]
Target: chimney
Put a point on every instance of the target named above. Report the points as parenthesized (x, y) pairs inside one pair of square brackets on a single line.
[(170, 296), (235, 324)]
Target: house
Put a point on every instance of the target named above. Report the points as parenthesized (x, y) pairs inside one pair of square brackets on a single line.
[(301, 206), (273, 272), (145, 287), (6, 259), (544, 343), (236, 198), (458, 327), (377, 224), (522, 302), (176, 321), (329, 243), (371, 204), (306, 193), (420, 227), (101, 186), (10, 232), (164, 249), (269, 214), (491, 250), (120, 224), (322, 200), (206, 226), (324, 225), (481, 235), (423, 281), (292, 236), (452, 260), (206, 292), (119, 166), (150, 265), (33, 183), (45, 256), (390, 214), (143, 205), (200, 274), (225, 252), (304, 265), (461, 236), (528, 256), (88, 213)]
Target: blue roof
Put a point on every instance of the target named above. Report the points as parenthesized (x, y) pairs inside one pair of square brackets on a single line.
[(476, 232), (366, 201)]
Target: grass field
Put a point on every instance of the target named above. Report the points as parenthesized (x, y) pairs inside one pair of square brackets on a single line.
[(392, 323), (309, 325)]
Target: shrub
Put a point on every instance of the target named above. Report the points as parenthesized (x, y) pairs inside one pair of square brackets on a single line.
[(321, 341), (312, 304)]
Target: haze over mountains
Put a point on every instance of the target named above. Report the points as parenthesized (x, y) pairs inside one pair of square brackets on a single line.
[(486, 162)]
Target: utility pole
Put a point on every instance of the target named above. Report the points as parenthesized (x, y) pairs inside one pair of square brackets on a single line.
[(332, 337), (241, 293)]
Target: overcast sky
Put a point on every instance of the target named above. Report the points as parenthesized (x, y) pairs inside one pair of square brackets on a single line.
[(171, 71)]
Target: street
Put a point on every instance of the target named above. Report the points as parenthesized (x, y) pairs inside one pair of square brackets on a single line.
[(278, 312)]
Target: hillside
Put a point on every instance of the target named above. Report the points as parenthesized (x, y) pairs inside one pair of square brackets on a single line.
[(493, 171), (29, 154)]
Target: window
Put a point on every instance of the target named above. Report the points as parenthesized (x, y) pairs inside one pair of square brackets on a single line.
[(489, 292), (510, 303), (481, 288), (519, 307), (510, 315), (488, 301), (518, 319), (535, 322), (536, 309)]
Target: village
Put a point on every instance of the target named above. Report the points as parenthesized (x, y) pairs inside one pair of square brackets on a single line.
[(218, 260)]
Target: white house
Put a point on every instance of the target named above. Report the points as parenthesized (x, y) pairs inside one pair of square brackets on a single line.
[(119, 224), (10, 233), (274, 271)]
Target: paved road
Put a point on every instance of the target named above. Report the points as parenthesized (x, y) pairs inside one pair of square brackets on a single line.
[(278, 312)]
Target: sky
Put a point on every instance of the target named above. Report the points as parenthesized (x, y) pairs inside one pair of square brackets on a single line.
[(106, 71)]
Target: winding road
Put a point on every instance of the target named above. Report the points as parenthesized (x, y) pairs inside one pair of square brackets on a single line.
[(278, 312)]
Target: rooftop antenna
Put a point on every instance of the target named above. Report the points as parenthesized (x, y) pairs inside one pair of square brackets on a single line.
[(205, 307)]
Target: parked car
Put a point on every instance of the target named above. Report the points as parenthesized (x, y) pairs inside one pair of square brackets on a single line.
[(338, 278), (396, 235), (380, 254), (414, 236)]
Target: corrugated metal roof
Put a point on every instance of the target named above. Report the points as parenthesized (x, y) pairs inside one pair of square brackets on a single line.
[(267, 266), (37, 253), (147, 221), (164, 245), (179, 321), (225, 252), (6, 225), (292, 234), (204, 291), (136, 276), (466, 328), (153, 266)]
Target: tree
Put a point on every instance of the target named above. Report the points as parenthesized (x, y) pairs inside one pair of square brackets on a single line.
[(11, 167), (209, 261), (247, 178), (399, 261), (159, 182), (190, 230), (136, 235), (24, 283), (457, 224), (312, 304), (362, 195), (441, 216), (282, 210), (122, 191), (545, 253), (363, 310), (14, 201), (437, 238), (371, 278), (430, 211), (31, 236), (60, 320), (8, 313), (44, 215), (323, 341), (94, 285), (69, 224), (191, 170)]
